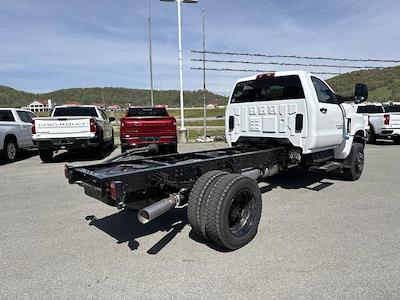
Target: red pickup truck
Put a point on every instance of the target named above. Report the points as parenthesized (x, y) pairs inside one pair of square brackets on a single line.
[(143, 126)]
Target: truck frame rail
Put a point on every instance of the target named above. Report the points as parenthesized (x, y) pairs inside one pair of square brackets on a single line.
[(130, 178)]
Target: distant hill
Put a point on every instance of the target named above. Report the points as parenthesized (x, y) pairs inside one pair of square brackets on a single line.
[(10, 97), (383, 84)]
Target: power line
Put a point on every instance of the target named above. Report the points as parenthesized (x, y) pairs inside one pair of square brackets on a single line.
[(252, 70), (299, 57), (284, 64)]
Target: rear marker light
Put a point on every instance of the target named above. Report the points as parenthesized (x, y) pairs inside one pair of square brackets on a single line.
[(33, 127), (386, 119), (265, 75), (66, 171), (92, 125)]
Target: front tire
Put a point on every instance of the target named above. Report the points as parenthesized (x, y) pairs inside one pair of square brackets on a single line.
[(356, 163), (396, 140), (233, 211), (46, 155)]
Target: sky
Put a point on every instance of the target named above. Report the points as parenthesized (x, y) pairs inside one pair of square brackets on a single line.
[(48, 45)]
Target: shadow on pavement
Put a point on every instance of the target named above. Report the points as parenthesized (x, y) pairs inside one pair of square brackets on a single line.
[(298, 179), (82, 155), (125, 227), (21, 156)]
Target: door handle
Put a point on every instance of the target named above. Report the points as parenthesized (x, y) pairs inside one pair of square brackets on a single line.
[(323, 110)]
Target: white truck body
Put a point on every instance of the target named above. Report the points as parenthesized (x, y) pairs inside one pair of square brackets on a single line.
[(16, 125), (322, 122)]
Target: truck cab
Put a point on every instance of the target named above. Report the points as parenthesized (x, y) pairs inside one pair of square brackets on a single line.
[(294, 108)]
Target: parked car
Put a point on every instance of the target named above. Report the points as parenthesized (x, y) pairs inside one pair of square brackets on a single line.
[(383, 120), (143, 126), (15, 131), (73, 128)]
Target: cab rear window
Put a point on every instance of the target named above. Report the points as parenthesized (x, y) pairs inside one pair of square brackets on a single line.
[(75, 112), (147, 112), (370, 109), (268, 89)]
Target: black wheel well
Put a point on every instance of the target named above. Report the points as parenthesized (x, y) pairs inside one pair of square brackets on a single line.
[(359, 137), (10, 137)]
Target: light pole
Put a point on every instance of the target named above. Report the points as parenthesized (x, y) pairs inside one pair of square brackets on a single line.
[(204, 76), (151, 60), (183, 134)]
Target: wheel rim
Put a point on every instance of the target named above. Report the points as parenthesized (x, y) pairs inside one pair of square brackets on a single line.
[(11, 151), (241, 214), (359, 163)]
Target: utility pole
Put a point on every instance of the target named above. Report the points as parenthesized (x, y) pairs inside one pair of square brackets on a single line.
[(204, 76), (151, 60)]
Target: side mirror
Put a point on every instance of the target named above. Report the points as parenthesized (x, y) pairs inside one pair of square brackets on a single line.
[(111, 119), (360, 93)]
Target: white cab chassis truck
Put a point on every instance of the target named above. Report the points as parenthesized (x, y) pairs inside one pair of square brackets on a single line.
[(274, 122)]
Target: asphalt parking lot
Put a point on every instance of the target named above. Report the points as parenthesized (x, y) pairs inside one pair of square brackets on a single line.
[(318, 238)]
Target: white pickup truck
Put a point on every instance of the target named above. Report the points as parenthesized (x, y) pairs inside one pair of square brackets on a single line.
[(383, 120), (72, 128), (15, 131)]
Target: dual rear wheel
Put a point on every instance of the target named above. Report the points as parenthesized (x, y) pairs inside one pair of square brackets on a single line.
[(225, 208)]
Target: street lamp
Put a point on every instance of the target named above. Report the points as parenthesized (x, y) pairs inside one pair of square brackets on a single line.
[(150, 59), (183, 134)]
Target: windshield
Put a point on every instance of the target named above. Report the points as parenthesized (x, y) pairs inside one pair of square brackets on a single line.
[(392, 108), (268, 89), (147, 112), (370, 109), (75, 112)]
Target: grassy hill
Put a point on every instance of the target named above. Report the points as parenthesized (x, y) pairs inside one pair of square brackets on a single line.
[(383, 84), (109, 95)]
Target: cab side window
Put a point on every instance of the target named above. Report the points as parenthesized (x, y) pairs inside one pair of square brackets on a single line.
[(24, 116), (103, 115), (324, 94)]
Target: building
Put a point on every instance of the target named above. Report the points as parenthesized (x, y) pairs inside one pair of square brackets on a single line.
[(72, 103), (114, 107), (40, 105)]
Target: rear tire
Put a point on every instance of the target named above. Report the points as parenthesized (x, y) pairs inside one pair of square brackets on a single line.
[(197, 201), (357, 161), (173, 148), (10, 150), (371, 136), (396, 140), (233, 211), (46, 155)]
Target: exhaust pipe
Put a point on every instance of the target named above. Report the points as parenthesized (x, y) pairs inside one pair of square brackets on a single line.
[(155, 210)]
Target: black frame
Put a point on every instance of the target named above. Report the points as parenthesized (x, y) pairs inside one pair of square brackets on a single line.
[(168, 173)]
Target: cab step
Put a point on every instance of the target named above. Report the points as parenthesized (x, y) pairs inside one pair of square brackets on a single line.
[(328, 167)]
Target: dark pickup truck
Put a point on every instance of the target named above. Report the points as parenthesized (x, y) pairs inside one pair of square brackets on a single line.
[(143, 126)]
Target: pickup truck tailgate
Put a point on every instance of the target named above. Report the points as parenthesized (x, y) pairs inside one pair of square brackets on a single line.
[(62, 127), (395, 120), (149, 126)]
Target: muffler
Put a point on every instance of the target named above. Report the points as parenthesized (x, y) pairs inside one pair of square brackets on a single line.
[(155, 210)]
